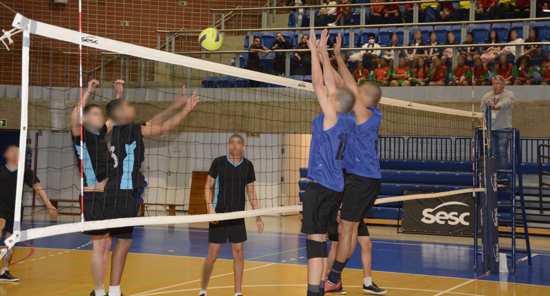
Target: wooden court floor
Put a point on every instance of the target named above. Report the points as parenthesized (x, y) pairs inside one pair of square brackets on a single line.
[(66, 272)]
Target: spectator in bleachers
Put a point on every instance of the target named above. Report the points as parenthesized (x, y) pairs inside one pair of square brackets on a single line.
[(392, 15), (514, 50), (322, 20), (447, 12), (330, 7), (280, 57), (480, 72), (420, 72), (532, 50), (485, 9), (543, 8), (546, 69), (360, 73), (470, 51), (370, 49), (491, 53), (390, 54), (438, 72), (504, 68), (463, 11), (504, 8), (381, 72), (433, 51), (413, 53), (344, 14), (302, 59), (401, 74), (462, 74), (521, 8), (299, 12), (256, 48), (376, 12), (447, 53), (407, 12), (430, 11), (525, 73)]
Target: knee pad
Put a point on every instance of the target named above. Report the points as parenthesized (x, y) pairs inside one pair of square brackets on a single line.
[(316, 249)]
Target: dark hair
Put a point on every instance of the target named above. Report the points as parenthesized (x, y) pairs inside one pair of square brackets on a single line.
[(8, 147), (112, 106), (510, 34), (89, 107), (236, 136), (496, 37)]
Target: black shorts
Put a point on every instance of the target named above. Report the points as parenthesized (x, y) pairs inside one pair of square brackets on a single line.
[(233, 231), (320, 207), (8, 216), (362, 230), (108, 205), (359, 196)]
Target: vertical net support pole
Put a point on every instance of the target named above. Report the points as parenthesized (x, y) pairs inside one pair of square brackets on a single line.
[(22, 134), (489, 203)]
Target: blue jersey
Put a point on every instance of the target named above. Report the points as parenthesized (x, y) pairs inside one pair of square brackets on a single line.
[(327, 151), (361, 156)]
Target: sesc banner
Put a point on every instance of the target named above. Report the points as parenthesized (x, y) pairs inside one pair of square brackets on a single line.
[(442, 216)]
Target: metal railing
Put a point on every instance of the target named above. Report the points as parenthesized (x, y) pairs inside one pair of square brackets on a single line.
[(267, 12)]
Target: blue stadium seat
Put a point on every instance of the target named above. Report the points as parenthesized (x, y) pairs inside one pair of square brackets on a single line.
[(268, 38), (441, 32), (543, 30), (502, 30), (518, 27), (427, 177), (426, 30), (292, 19), (422, 165), (480, 32), (291, 38)]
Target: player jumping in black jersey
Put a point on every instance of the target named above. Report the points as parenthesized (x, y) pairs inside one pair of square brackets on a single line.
[(127, 154), (8, 182), (234, 177)]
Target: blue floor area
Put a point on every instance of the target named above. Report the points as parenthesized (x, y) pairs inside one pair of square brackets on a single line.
[(389, 255)]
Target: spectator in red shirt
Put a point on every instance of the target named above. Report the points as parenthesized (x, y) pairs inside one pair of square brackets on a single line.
[(360, 73), (401, 75), (420, 72), (377, 12), (546, 70), (523, 75), (480, 72), (438, 72), (521, 10), (344, 14), (392, 15), (461, 72), (543, 8), (381, 72), (504, 68), (485, 9), (447, 11)]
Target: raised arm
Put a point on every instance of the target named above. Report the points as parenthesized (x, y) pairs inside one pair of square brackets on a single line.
[(328, 70), (317, 77), (178, 103), (75, 114), (345, 74), (151, 129)]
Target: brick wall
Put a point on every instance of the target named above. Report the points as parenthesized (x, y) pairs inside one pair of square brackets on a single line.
[(56, 64)]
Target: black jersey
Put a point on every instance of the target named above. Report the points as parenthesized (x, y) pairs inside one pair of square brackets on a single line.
[(95, 155), (231, 180), (127, 154), (8, 183)]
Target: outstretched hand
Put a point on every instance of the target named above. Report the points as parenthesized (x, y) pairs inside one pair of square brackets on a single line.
[(338, 45), (181, 99), (119, 88), (92, 85), (191, 102), (312, 40), (324, 39)]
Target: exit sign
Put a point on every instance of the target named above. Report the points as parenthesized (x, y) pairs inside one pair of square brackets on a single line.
[(3, 122)]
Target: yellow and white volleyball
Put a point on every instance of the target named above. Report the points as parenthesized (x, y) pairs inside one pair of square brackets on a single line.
[(211, 39)]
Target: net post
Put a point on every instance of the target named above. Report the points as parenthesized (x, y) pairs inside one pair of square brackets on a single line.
[(12, 240), (489, 204)]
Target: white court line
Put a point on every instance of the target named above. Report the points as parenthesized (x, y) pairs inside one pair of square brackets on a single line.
[(455, 287), (223, 274), (300, 286)]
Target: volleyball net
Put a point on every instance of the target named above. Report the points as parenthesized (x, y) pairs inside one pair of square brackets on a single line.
[(272, 113)]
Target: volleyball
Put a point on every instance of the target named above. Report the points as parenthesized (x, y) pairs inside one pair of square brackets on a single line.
[(210, 39)]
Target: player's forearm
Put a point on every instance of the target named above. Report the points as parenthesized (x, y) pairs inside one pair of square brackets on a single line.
[(208, 196), (44, 197), (346, 75), (165, 114), (174, 121), (328, 74)]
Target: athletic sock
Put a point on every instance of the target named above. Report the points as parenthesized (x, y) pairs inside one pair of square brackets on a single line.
[(99, 292), (114, 291), (313, 290), (203, 292), (335, 274), (367, 281), (3, 270)]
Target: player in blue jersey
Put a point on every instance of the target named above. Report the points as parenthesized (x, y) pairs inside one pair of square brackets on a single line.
[(362, 172), (329, 133)]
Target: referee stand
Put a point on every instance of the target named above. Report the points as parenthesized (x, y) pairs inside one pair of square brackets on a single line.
[(497, 167)]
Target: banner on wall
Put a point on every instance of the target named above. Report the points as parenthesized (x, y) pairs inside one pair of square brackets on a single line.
[(451, 216)]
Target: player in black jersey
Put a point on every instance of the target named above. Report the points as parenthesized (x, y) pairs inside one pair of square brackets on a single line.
[(232, 177), (127, 154), (95, 161), (8, 182)]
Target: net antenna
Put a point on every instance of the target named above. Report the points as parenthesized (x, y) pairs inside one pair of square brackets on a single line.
[(6, 37), (28, 27)]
